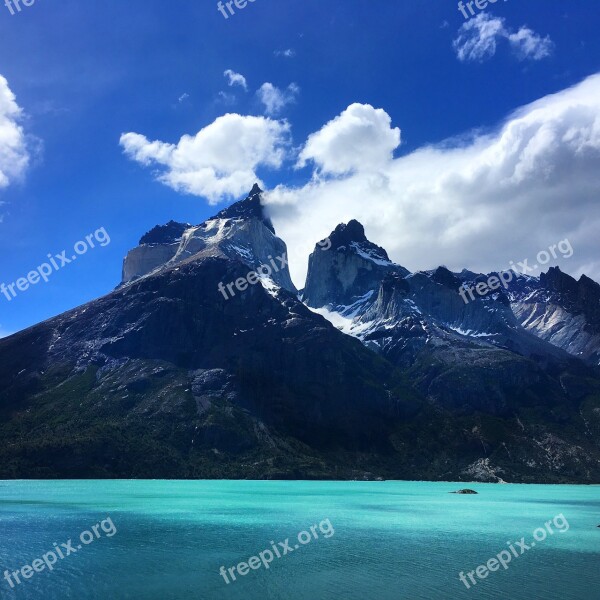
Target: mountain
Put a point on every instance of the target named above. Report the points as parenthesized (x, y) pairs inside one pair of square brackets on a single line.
[(169, 377), (241, 232), (165, 377), (349, 271), (561, 310), (544, 318)]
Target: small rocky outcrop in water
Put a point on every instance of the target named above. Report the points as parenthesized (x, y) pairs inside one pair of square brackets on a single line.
[(467, 491)]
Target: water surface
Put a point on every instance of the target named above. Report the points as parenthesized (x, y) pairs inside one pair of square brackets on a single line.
[(392, 540)]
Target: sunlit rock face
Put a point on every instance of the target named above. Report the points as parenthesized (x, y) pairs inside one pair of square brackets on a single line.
[(241, 232), (561, 310)]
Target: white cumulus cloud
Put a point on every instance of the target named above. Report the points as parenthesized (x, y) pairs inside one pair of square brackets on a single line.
[(477, 204), (14, 155), (220, 161), (478, 40), (359, 139)]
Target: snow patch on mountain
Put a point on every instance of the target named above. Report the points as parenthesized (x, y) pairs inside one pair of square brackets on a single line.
[(371, 254)]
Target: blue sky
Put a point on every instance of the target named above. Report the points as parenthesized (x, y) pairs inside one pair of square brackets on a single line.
[(84, 73)]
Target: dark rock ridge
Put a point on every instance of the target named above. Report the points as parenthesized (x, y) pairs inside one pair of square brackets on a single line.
[(164, 234), (250, 208), (165, 378)]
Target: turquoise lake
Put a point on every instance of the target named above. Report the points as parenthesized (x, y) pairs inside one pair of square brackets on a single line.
[(386, 540)]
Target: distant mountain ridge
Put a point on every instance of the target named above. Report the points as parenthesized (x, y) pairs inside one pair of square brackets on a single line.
[(561, 310), (360, 289), (165, 377)]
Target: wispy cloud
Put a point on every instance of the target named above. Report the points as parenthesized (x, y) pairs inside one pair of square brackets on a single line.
[(226, 98), (478, 40), (235, 79), (528, 44), (289, 53), (276, 99)]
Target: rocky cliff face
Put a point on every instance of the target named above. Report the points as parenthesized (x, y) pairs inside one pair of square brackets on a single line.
[(349, 270), (561, 310), (241, 232)]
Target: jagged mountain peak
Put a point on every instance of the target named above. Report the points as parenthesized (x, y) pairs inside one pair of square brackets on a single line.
[(588, 282), (345, 233), (466, 275), (445, 277), (249, 207), (350, 237), (349, 271), (242, 232), (558, 281)]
